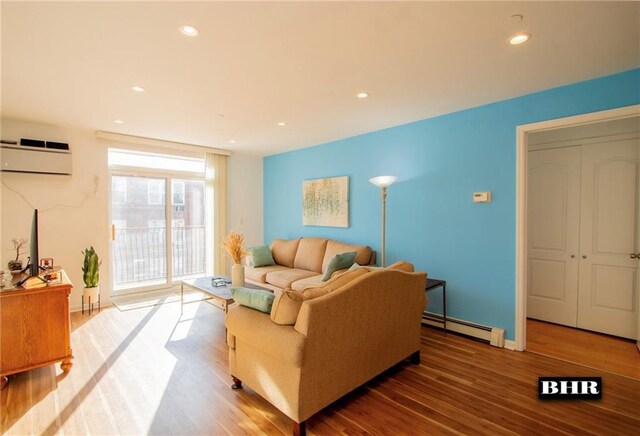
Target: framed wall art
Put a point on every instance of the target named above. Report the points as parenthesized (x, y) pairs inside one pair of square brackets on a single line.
[(325, 202)]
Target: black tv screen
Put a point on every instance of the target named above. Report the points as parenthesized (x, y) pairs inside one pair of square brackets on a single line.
[(33, 251)]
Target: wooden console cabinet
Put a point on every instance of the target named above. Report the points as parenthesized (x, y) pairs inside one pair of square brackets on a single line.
[(35, 327)]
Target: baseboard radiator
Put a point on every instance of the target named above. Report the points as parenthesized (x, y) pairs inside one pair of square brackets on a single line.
[(491, 335)]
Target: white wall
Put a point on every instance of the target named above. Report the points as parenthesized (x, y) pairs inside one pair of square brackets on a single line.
[(245, 197), (74, 210)]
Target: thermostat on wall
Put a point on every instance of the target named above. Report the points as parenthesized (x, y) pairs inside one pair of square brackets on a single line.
[(482, 197)]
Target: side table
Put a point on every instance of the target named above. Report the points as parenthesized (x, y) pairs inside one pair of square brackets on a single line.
[(435, 284)]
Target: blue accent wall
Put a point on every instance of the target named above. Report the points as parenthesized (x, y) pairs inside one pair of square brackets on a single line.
[(431, 219)]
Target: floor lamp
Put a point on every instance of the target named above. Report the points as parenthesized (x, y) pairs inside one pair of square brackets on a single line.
[(383, 182)]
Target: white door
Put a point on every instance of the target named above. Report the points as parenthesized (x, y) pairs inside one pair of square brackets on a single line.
[(608, 283), (553, 234)]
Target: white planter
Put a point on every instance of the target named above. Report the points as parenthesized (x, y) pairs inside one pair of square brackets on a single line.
[(237, 276), (91, 296), (92, 293)]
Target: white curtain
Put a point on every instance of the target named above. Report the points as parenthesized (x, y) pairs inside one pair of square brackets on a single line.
[(216, 212)]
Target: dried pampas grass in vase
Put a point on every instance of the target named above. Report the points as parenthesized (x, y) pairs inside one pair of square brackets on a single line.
[(234, 245)]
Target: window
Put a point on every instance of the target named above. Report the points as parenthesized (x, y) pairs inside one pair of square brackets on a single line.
[(119, 190), (178, 192), (155, 224), (155, 191), (155, 245), (167, 162)]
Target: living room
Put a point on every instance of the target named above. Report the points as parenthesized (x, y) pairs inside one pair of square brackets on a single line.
[(432, 93)]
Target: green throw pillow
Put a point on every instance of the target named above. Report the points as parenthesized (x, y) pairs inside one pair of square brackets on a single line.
[(339, 261), (261, 256), (254, 298)]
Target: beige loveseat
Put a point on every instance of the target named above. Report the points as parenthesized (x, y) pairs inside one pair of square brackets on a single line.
[(301, 262), (339, 341)]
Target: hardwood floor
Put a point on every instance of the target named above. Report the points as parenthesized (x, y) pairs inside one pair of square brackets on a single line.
[(596, 350), (147, 371)]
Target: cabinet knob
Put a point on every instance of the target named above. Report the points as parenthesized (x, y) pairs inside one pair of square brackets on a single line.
[(573, 256), (633, 255), (584, 256)]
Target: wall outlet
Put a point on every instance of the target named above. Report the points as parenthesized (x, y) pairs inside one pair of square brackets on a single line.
[(482, 197)]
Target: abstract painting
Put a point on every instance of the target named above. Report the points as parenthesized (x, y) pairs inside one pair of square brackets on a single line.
[(325, 202)]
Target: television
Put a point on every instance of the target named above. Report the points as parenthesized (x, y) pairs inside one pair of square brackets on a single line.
[(34, 257), (32, 265)]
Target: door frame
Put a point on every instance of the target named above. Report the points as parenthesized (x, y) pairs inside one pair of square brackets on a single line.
[(521, 200)]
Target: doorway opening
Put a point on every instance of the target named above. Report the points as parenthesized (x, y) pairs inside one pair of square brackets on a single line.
[(556, 264)]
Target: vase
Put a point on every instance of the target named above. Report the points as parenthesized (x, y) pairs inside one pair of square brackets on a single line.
[(237, 276)]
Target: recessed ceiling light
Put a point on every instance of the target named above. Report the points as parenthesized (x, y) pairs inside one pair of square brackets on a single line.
[(233, 141), (118, 121), (363, 95), (137, 88), (281, 124), (189, 30), (519, 38)]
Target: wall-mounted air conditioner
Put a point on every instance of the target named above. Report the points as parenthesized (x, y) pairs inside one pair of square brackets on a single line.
[(20, 159)]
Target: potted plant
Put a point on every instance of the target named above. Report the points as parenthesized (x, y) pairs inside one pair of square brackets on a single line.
[(234, 245), (91, 278), (18, 246)]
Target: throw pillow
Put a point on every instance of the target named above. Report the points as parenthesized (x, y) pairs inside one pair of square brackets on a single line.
[(261, 256), (339, 261), (333, 284), (254, 298), (286, 307)]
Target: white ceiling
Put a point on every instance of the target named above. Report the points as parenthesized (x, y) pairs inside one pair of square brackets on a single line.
[(302, 63)]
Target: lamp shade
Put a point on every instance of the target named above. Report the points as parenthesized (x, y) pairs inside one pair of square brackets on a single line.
[(383, 181)]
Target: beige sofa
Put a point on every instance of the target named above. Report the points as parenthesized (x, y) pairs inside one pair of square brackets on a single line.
[(339, 341), (301, 262)]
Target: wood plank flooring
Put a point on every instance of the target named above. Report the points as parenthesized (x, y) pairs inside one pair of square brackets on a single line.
[(596, 350), (148, 371)]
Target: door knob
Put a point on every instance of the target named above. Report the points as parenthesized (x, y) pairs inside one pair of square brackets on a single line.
[(584, 256)]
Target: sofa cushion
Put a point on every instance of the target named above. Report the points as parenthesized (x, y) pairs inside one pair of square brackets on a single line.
[(284, 277), (260, 256), (310, 254), (286, 306), (333, 284), (284, 251), (253, 298), (260, 274), (308, 282), (338, 262), (363, 252)]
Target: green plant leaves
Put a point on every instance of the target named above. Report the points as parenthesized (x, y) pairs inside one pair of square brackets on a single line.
[(91, 268)]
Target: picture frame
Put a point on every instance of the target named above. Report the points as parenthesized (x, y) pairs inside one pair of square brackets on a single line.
[(325, 202), (46, 263)]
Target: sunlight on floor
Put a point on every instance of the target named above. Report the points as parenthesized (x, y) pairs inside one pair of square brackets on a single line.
[(182, 328)]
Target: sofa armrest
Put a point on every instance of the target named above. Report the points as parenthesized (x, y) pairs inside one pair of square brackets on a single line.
[(255, 329)]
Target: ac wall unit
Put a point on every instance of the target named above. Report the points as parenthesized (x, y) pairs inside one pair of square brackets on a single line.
[(16, 159)]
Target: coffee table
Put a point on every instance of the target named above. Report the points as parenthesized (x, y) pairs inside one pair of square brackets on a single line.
[(222, 294)]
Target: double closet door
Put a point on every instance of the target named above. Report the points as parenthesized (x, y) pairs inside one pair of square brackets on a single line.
[(583, 229)]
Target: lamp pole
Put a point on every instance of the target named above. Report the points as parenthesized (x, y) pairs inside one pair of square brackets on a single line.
[(383, 190), (383, 182)]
